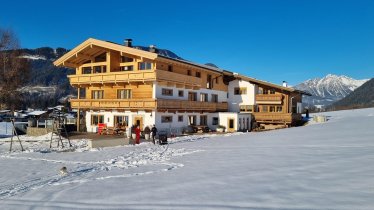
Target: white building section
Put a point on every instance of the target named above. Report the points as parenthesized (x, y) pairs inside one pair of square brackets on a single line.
[(246, 95)]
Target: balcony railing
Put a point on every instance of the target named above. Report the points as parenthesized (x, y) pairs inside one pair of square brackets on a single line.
[(161, 104), (178, 78), (190, 105), (269, 99), (134, 76), (113, 77), (273, 117)]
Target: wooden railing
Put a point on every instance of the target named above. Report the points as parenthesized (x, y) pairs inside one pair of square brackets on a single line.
[(190, 105), (273, 117), (113, 77), (269, 98), (177, 78), (163, 104), (134, 76), (113, 103)]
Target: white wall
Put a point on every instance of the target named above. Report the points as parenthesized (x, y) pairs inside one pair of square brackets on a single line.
[(148, 120), (234, 101), (299, 108), (223, 120), (222, 95)]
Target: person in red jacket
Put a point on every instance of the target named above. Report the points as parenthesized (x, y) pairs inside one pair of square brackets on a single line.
[(137, 132)]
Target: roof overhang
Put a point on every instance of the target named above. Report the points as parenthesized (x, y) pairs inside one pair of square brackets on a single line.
[(93, 47)]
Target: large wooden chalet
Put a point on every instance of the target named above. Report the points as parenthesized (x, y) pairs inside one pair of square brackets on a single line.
[(122, 84)]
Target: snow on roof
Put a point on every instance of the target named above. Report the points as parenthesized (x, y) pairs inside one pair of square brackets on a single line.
[(37, 113)]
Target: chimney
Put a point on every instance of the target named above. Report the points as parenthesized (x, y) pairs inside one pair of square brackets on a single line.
[(152, 48), (285, 84), (128, 42)]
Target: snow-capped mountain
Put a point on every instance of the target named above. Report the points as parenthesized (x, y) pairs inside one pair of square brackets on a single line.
[(328, 89)]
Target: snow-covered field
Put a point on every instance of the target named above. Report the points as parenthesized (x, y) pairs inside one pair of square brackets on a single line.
[(319, 166)]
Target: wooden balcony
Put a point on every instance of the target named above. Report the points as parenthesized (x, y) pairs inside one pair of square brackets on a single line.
[(113, 77), (178, 78), (276, 118), (165, 104), (269, 99), (134, 76), (113, 103), (160, 104)]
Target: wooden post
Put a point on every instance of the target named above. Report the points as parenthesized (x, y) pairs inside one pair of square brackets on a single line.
[(79, 90), (78, 120)]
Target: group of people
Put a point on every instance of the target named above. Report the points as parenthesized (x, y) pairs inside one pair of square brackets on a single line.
[(137, 132)]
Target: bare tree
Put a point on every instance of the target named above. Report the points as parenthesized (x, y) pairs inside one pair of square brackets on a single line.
[(14, 70)]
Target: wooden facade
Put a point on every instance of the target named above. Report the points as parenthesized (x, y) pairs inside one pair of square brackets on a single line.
[(110, 76)]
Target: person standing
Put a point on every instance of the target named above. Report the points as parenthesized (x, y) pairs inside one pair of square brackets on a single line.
[(137, 132), (154, 132)]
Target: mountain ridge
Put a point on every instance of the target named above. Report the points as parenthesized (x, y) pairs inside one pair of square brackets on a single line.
[(328, 89)]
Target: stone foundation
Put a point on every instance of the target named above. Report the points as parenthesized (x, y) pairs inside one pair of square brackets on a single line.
[(34, 131)]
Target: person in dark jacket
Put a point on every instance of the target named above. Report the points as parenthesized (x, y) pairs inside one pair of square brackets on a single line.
[(154, 132)]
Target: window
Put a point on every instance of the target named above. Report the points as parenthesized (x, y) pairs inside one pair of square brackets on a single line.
[(125, 59), (265, 91), (101, 57), (198, 74), (86, 70), (264, 108), (145, 66), (192, 120), (127, 68), (203, 97), (99, 69), (215, 121), (180, 118), (166, 119), (279, 109), (214, 98), (170, 68), (82, 93), (124, 94), (246, 108), (272, 91), (180, 93), (271, 108), (192, 96), (97, 94), (203, 120), (240, 91), (189, 72), (209, 83), (122, 120), (96, 119), (167, 92)]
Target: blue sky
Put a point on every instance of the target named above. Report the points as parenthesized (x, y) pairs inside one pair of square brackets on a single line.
[(272, 40)]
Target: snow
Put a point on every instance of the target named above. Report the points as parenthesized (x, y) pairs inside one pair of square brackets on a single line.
[(33, 57), (318, 166)]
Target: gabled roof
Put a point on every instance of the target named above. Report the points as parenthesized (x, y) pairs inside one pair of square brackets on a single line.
[(261, 82), (96, 47)]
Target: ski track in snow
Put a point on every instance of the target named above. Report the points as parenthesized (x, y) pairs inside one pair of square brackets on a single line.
[(159, 156)]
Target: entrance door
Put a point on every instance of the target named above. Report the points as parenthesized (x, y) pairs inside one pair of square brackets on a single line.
[(138, 120), (230, 124)]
